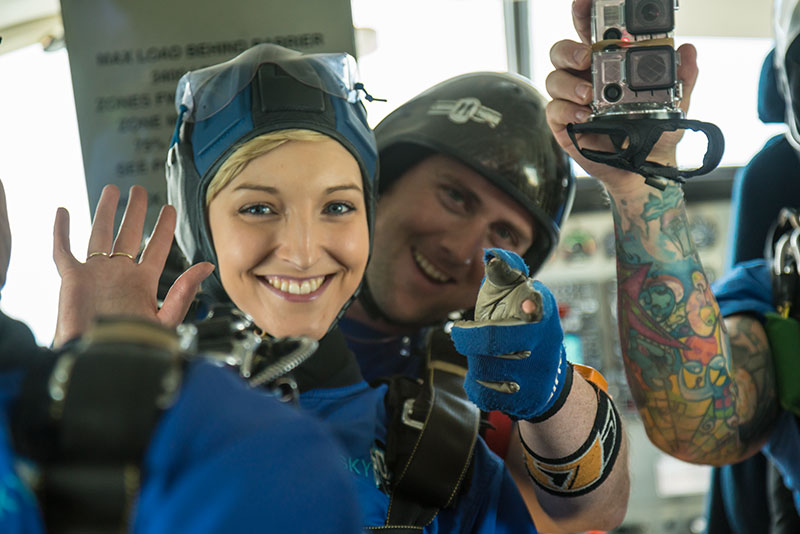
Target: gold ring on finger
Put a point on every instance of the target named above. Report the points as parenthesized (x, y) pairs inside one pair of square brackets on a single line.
[(122, 254), (98, 253)]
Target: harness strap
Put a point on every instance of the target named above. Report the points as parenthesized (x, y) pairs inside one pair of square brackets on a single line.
[(783, 329), (97, 405), (443, 425)]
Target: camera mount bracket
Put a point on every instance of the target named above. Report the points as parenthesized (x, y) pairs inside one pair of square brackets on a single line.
[(642, 135)]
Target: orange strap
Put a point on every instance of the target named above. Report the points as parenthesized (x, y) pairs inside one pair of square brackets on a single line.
[(590, 374)]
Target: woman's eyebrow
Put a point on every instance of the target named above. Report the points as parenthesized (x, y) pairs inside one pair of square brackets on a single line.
[(344, 187), (274, 190), (257, 187)]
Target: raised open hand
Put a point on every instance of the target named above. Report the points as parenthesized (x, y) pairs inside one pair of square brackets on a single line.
[(111, 281), (571, 89)]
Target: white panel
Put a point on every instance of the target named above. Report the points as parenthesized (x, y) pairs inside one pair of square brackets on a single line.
[(724, 18), (126, 58)]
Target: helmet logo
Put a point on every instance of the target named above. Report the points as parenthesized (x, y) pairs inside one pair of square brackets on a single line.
[(465, 109)]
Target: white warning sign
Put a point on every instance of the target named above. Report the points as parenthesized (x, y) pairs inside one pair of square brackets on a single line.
[(127, 57)]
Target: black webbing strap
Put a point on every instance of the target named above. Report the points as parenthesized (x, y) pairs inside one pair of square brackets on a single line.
[(97, 406), (641, 136), (445, 424), (88, 499)]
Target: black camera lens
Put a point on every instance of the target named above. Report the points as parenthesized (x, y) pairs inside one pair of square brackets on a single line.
[(650, 67), (612, 33), (649, 16), (612, 92), (650, 12)]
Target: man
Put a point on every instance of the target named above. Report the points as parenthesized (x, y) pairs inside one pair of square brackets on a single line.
[(468, 165), (705, 386)]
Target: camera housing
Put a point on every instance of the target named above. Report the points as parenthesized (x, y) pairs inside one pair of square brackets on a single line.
[(632, 20), (636, 80), (634, 65)]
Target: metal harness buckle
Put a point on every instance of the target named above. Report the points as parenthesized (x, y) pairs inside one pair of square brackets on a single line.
[(408, 411), (785, 264)]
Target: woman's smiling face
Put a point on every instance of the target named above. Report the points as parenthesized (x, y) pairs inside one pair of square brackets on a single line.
[(291, 236)]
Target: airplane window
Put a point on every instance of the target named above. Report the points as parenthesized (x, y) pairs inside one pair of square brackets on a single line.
[(727, 94), (41, 169), (414, 52)]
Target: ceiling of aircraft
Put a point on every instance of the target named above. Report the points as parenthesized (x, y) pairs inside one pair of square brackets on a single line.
[(25, 22)]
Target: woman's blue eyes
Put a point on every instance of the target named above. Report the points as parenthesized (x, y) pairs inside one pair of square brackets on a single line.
[(256, 209), (334, 208), (338, 208)]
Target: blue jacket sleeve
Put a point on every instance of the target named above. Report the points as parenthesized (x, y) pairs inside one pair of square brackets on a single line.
[(227, 458), (502, 510), (746, 288), (19, 512)]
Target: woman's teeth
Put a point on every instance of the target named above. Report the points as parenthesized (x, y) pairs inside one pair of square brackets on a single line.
[(292, 286), (429, 269)]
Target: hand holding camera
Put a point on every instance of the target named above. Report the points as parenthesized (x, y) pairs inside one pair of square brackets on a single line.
[(639, 91)]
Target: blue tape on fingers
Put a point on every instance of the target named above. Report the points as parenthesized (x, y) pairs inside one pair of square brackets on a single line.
[(540, 376)]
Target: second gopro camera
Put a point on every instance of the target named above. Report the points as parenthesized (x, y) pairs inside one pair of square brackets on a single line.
[(634, 63)]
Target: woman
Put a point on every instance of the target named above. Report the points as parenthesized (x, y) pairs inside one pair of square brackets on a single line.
[(285, 216)]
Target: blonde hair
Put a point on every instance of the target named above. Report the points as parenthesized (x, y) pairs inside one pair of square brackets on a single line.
[(252, 149)]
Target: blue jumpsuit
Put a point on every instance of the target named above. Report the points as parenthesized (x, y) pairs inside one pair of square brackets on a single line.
[(357, 416), (381, 355), (19, 512), (223, 458), (748, 289)]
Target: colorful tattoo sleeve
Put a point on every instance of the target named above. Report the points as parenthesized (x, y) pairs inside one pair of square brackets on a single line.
[(704, 396)]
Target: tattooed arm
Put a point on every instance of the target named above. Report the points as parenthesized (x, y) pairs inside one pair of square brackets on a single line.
[(704, 395)]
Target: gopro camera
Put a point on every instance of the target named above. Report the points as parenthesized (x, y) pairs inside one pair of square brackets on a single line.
[(636, 92), (634, 64), (632, 20)]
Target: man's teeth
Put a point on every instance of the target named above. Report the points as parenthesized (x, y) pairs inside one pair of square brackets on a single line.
[(429, 269), (291, 286)]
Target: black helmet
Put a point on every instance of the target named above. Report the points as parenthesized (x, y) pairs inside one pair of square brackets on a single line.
[(495, 124), (264, 89)]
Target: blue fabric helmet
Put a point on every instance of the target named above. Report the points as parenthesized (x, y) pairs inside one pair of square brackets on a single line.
[(264, 89)]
